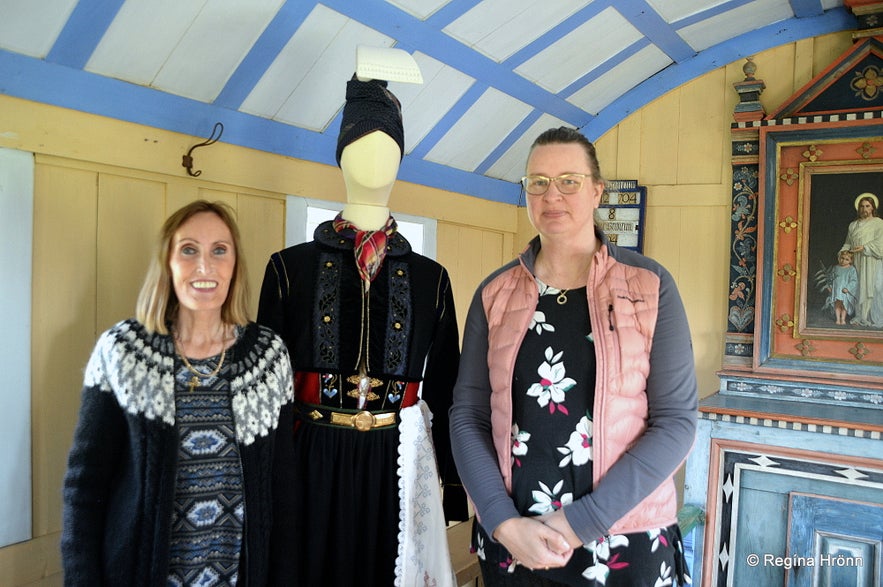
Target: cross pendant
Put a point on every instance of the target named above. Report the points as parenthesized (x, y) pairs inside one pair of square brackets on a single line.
[(194, 381)]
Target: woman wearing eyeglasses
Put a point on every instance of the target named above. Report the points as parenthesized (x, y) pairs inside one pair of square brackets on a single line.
[(576, 397)]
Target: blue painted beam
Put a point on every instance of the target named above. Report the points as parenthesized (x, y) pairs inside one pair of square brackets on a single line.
[(49, 83), (507, 142), (262, 54), (450, 117), (715, 10), (397, 24), (806, 8), (787, 31), (450, 12), (648, 22), (83, 31)]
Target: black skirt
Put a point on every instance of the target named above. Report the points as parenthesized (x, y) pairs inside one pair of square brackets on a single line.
[(347, 500)]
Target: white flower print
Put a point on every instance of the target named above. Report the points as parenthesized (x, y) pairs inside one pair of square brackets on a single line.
[(597, 572), (480, 550), (603, 562), (664, 579), (546, 500), (579, 446), (519, 443), (539, 324), (553, 384), (547, 290), (656, 537)]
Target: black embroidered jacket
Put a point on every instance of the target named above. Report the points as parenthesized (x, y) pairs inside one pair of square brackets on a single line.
[(404, 330)]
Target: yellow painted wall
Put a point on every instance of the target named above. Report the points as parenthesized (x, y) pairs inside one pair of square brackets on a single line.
[(102, 188)]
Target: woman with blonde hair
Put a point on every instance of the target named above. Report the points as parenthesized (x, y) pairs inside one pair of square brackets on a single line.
[(177, 474)]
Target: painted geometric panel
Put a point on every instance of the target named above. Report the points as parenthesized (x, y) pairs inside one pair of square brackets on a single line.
[(834, 543), (752, 521)]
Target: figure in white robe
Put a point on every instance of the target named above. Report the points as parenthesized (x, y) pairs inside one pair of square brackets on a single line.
[(864, 239)]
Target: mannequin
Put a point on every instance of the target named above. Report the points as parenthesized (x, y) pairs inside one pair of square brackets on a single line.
[(369, 166), (371, 330)]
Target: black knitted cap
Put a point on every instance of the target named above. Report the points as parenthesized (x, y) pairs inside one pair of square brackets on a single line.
[(369, 107)]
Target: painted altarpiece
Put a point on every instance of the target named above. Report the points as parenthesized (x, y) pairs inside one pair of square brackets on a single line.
[(789, 452)]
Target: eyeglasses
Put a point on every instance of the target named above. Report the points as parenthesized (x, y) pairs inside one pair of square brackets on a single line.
[(569, 183)]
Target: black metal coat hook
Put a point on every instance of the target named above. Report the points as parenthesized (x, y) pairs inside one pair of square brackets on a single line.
[(188, 159)]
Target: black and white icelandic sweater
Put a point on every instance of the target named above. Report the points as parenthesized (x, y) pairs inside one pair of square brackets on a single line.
[(120, 483)]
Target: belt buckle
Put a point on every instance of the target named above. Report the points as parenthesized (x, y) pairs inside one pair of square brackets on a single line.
[(363, 421)]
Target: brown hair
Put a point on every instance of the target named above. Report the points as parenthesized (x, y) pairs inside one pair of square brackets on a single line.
[(872, 202), (157, 302), (564, 134)]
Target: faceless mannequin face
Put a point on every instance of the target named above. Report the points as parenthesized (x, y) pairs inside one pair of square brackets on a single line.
[(370, 165)]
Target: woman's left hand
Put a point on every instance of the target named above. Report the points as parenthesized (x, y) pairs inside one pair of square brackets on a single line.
[(558, 521), (533, 544)]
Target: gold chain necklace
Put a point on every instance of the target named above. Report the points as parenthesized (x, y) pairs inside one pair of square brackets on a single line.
[(198, 375)]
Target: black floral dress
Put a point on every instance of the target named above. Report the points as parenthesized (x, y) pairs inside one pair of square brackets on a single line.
[(552, 435)]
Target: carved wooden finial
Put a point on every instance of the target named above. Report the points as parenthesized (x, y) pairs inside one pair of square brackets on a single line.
[(749, 107), (749, 68)]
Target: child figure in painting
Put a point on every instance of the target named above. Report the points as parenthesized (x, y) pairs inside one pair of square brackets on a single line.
[(843, 288)]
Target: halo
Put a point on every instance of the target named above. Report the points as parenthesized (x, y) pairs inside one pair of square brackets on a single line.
[(867, 195)]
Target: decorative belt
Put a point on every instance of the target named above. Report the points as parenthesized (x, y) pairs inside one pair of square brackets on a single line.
[(311, 386), (362, 421)]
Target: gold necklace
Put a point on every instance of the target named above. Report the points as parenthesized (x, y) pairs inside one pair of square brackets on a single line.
[(562, 297), (198, 375)]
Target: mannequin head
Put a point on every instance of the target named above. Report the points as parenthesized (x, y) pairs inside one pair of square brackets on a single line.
[(370, 147), (369, 165)]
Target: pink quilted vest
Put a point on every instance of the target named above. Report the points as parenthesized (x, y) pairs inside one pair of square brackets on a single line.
[(623, 334)]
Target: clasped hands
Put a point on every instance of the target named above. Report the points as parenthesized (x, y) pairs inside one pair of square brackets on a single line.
[(543, 542)]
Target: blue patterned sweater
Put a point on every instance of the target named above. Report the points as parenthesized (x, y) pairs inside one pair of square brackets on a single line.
[(120, 483)]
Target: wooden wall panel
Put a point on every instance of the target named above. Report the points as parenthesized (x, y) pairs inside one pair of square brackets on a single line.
[(606, 149), (660, 140), (702, 100), (130, 213), (704, 293), (182, 192), (469, 255), (262, 225), (63, 332), (629, 143), (824, 51), (779, 64)]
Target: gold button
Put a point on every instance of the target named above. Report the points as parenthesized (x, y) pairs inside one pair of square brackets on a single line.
[(397, 325), (326, 319), (329, 264), (400, 272)]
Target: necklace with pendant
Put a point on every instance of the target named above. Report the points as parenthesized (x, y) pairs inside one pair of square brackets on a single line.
[(562, 297), (198, 375)]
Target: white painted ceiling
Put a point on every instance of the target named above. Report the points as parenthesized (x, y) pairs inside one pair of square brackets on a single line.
[(496, 72)]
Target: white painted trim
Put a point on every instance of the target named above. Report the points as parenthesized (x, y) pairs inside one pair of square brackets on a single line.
[(16, 226), (297, 230)]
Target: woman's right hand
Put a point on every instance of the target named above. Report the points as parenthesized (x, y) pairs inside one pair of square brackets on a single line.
[(533, 544)]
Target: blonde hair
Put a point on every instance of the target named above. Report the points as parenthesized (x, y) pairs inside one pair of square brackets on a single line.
[(157, 303)]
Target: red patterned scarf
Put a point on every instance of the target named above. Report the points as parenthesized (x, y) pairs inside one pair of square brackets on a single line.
[(370, 245)]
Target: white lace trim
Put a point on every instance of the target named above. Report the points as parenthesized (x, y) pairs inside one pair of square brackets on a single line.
[(423, 558)]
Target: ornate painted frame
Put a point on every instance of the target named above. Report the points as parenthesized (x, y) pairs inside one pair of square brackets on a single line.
[(810, 178)]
